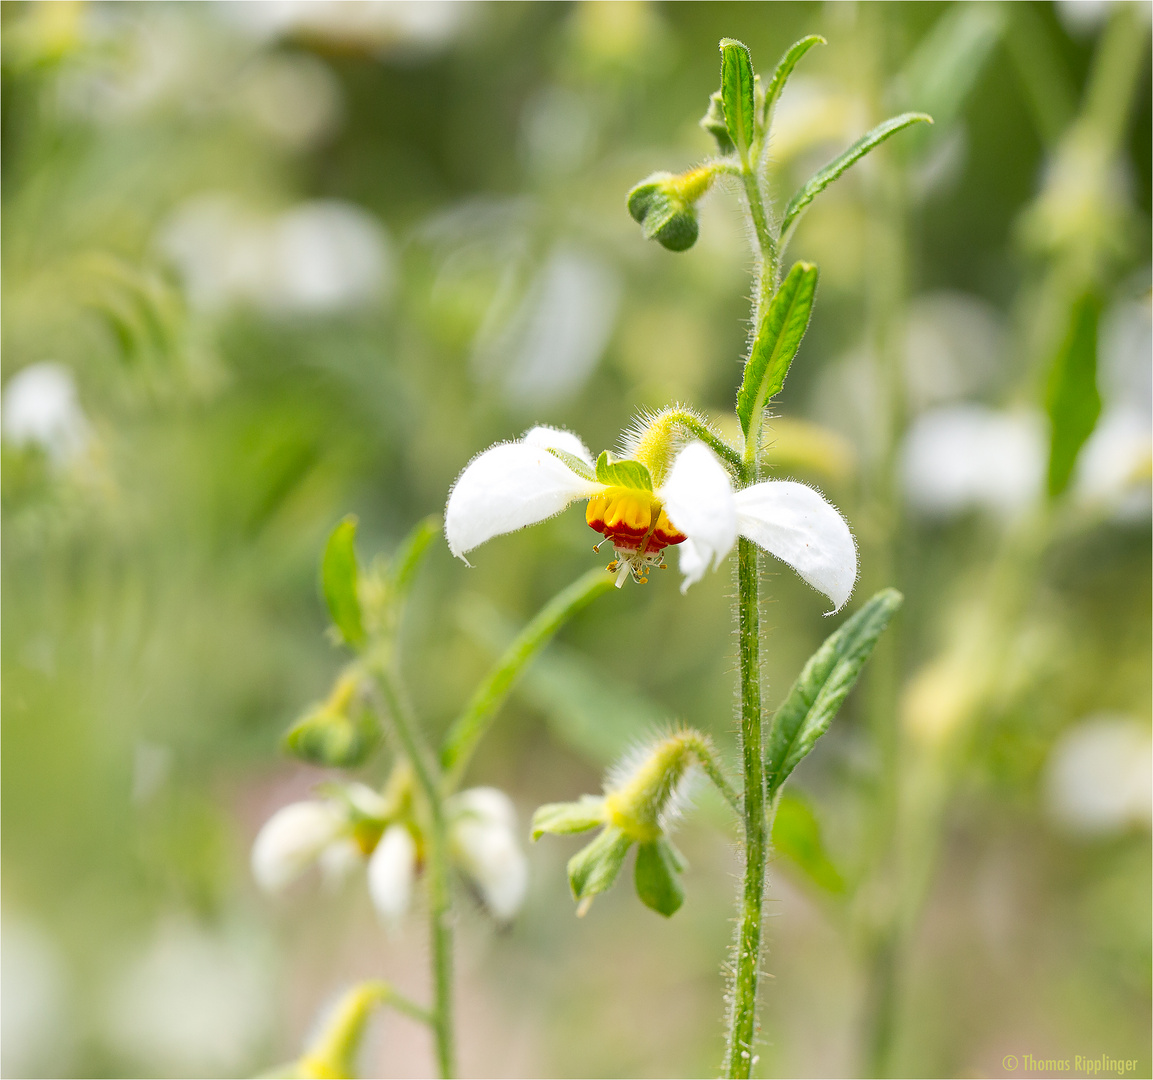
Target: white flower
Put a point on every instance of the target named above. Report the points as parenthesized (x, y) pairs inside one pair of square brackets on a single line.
[(483, 838), (693, 504), (391, 873), (292, 839), (40, 408)]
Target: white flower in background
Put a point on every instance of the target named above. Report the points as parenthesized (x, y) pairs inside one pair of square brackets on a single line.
[(37, 1028), (482, 832), (642, 509), (40, 408), (319, 258), (1099, 777), (391, 874), (292, 840), (966, 457)]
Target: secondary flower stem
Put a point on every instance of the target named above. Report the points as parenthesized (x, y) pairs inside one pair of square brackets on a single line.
[(743, 1017), (478, 715), (439, 890)]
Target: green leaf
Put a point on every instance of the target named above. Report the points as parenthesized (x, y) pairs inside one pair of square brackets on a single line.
[(1072, 400), (629, 474), (410, 554), (338, 578), (578, 465), (797, 836), (737, 94), (823, 685), (784, 69), (595, 867), (824, 177), (657, 878), (714, 123), (569, 817), (777, 341)]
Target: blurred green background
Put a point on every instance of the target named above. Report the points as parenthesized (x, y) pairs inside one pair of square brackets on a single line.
[(267, 264)]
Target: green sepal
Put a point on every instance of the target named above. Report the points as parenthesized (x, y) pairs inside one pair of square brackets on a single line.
[(595, 867), (714, 123), (824, 177), (578, 465), (339, 579), (823, 685), (777, 341), (783, 70), (333, 740), (797, 836), (569, 817), (657, 877), (629, 474), (1071, 399), (738, 96)]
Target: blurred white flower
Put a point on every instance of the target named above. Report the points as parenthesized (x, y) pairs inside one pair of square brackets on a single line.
[(291, 840), (1099, 777), (40, 408), (193, 1003), (391, 873), (966, 457), (295, 98), (483, 837), (1116, 464), (319, 258), (36, 1028)]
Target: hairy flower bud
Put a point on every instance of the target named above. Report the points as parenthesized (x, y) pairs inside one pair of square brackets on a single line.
[(664, 205)]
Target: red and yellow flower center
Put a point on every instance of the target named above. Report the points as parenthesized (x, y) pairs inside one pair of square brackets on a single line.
[(633, 520)]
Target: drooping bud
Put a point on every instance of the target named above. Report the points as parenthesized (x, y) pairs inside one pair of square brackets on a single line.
[(290, 840), (664, 205), (338, 733), (483, 838)]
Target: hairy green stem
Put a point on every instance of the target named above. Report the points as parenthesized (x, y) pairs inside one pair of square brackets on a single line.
[(478, 715), (746, 969), (439, 885)]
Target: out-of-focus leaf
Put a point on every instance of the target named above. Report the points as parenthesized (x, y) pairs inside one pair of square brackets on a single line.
[(783, 70), (658, 878), (338, 578), (797, 836), (946, 64), (823, 685), (570, 817), (824, 177), (595, 867), (1072, 400), (1043, 70), (777, 341), (631, 474), (737, 94), (410, 554)]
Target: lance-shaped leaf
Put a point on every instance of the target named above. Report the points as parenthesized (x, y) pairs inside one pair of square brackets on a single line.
[(738, 95), (658, 877), (824, 177), (338, 580), (1072, 400), (631, 474), (823, 685), (777, 342), (797, 836), (784, 69)]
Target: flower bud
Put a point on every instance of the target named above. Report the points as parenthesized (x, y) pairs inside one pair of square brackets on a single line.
[(292, 839), (714, 123), (340, 733), (485, 847), (391, 872), (664, 206)]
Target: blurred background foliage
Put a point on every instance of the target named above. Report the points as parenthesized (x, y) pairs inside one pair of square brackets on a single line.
[(267, 264)]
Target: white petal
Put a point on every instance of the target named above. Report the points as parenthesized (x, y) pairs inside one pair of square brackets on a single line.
[(391, 872), (291, 839), (509, 486), (693, 564), (557, 439), (698, 497), (339, 860), (490, 855), (488, 804), (798, 526)]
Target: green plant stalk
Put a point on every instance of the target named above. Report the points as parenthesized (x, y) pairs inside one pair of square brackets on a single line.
[(439, 886), (470, 727), (769, 268), (746, 969)]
